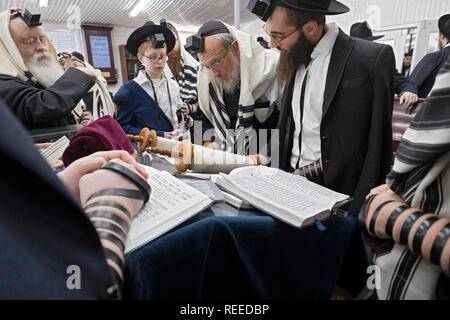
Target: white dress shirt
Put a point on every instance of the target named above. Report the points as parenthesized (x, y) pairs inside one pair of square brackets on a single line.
[(313, 103), (168, 106)]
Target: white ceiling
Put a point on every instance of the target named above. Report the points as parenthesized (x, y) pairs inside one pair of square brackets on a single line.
[(188, 13)]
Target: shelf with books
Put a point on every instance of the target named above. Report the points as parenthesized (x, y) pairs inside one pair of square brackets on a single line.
[(129, 64)]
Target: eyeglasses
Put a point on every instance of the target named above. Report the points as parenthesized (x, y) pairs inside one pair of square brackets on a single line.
[(216, 66), (278, 37), (35, 42), (154, 59)]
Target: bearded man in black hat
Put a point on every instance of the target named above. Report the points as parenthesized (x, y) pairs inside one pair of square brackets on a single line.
[(424, 74), (336, 112)]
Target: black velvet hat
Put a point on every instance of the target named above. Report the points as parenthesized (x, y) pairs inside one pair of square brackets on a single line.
[(362, 30), (325, 7), (147, 33)]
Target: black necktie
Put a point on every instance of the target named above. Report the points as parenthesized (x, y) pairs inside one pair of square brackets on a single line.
[(302, 107)]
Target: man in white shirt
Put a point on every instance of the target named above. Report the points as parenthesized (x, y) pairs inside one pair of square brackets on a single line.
[(336, 112)]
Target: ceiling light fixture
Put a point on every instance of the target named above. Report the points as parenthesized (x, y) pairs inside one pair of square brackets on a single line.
[(139, 7)]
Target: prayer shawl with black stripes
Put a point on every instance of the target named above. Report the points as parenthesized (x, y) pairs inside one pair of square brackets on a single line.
[(258, 83), (187, 79), (421, 175)]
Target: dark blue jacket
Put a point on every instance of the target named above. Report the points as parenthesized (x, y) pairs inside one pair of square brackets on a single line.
[(403, 85), (424, 74), (136, 110), (43, 230)]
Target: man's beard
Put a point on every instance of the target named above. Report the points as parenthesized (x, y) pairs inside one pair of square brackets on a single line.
[(174, 64), (233, 81), (290, 61), (46, 71)]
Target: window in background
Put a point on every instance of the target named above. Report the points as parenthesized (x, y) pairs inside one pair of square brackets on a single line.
[(433, 42), (63, 40), (411, 39)]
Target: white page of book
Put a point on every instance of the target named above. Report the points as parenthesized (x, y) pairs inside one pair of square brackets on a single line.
[(296, 183), (171, 202), (56, 150), (272, 193)]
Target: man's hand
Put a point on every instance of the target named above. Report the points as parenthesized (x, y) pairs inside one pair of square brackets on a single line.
[(42, 146), (87, 118), (185, 109), (90, 72), (386, 193), (104, 179), (168, 135), (212, 145), (408, 99), (71, 175), (54, 164)]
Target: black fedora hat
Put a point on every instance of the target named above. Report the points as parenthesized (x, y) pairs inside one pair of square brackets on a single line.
[(362, 30), (144, 33), (444, 25), (325, 7)]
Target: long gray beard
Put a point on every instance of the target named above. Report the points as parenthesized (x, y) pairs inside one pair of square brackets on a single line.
[(234, 79), (47, 71)]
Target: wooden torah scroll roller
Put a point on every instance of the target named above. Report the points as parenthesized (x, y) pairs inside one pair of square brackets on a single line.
[(145, 139), (184, 156)]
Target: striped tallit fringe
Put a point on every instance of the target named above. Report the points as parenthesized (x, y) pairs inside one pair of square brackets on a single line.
[(235, 140), (187, 81), (421, 175)]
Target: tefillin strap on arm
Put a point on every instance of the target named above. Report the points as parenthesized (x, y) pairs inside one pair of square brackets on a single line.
[(313, 171)]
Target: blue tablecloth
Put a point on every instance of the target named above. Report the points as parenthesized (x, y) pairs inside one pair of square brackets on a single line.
[(242, 255)]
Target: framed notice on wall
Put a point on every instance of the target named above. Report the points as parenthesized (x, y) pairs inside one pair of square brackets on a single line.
[(100, 53)]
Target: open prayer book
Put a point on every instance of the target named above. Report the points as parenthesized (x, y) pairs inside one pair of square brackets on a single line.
[(171, 203), (292, 199)]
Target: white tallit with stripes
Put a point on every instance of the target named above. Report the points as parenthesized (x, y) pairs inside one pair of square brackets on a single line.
[(187, 79), (258, 83), (421, 175)]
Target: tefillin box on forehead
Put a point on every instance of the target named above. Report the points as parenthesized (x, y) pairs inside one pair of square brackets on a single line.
[(158, 40), (195, 43), (32, 20), (261, 8)]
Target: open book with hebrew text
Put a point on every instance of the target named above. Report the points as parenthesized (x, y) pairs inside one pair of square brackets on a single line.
[(171, 203), (292, 199)]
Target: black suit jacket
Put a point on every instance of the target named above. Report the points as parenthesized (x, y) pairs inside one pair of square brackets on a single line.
[(424, 74), (356, 128), (43, 230), (37, 107)]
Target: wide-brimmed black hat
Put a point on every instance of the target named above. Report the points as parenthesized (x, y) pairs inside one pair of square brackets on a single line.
[(325, 7), (362, 30), (444, 25), (144, 34)]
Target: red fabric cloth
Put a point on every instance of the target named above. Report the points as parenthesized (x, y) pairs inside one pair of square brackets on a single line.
[(105, 134)]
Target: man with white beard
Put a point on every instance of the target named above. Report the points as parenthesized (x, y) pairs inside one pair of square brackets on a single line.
[(32, 83), (237, 87)]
